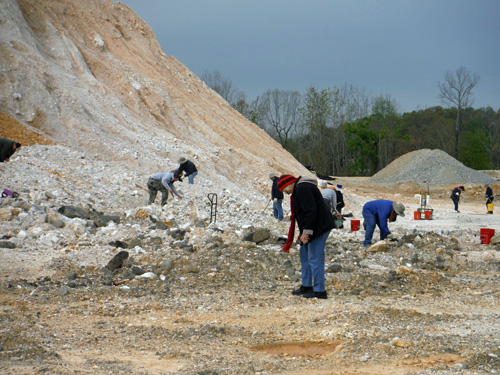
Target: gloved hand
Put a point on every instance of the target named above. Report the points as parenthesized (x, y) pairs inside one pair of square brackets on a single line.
[(275, 200), (391, 237)]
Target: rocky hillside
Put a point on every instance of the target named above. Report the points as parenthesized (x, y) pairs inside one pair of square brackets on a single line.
[(91, 77)]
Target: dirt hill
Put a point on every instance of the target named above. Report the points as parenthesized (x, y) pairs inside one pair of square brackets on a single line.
[(92, 76)]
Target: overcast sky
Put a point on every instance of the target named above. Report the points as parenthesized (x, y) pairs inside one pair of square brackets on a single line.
[(401, 48)]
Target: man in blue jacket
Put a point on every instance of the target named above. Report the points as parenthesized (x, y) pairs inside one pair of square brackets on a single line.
[(379, 213), (315, 223)]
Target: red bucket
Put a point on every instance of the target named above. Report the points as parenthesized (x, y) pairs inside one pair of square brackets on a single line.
[(486, 235), (417, 215), (355, 224), (428, 215)]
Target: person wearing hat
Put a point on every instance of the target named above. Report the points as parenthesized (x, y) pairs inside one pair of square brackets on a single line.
[(277, 197), (164, 182), (379, 213), (189, 169), (7, 148), (315, 222)]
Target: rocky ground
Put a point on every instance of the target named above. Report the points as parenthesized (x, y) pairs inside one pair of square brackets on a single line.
[(191, 295)]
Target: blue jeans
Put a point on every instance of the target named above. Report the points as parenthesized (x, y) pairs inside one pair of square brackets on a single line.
[(371, 220), (191, 177), (312, 261), (278, 209)]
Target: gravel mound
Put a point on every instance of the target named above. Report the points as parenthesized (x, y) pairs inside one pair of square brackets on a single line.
[(430, 167)]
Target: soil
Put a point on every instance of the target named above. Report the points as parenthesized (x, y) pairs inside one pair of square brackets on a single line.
[(228, 309)]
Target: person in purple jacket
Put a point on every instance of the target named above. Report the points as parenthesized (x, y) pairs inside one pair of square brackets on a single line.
[(379, 213)]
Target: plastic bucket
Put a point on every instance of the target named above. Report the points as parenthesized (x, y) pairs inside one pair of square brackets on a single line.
[(355, 224), (417, 215), (486, 235), (428, 215)]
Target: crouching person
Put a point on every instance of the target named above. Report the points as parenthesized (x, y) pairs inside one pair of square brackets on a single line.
[(163, 182)]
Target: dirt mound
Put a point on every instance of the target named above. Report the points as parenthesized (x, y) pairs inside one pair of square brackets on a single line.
[(12, 129), (430, 167)]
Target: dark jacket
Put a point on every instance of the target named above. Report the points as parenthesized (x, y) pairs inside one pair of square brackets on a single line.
[(275, 192), (5, 149), (311, 213), (489, 194), (187, 167), (455, 194)]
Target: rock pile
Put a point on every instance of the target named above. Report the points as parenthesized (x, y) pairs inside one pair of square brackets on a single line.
[(430, 167)]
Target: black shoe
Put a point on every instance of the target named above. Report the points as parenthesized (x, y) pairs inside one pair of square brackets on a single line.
[(319, 295), (302, 290)]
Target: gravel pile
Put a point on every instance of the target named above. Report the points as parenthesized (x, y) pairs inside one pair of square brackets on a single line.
[(430, 167)]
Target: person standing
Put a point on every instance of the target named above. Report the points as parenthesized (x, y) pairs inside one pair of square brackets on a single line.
[(315, 222), (189, 169), (164, 182), (379, 213), (489, 200), (455, 196), (277, 197), (7, 148)]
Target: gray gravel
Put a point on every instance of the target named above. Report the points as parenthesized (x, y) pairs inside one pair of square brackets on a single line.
[(430, 167)]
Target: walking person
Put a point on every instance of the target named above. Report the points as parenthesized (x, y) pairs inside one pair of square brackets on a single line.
[(163, 182), (379, 213), (455, 196), (277, 197), (489, 200), (189, 169), (315, 222)]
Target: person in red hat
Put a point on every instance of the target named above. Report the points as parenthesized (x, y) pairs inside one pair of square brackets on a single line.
[(315, 223)]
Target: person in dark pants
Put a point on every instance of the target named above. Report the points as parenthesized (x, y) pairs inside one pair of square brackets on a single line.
[(7, 148), (163, 182), (455, 196), (379, 213), (189, 169), (489, 200), (315, 223), (277, 197)]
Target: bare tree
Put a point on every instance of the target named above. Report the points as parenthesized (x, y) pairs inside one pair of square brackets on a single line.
[(279, 113), (456, 90), (222, 86)]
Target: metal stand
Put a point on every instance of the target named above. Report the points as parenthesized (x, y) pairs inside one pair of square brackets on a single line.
[(212, 197), (425, 205)]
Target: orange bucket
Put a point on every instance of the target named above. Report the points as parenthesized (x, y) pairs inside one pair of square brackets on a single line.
[(355, 224), (486, 235), (428, 215), (417, 215)]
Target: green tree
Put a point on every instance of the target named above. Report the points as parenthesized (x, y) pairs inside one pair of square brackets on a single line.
[(363, 143)]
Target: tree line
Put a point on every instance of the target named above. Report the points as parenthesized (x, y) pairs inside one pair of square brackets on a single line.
[(343, 131)]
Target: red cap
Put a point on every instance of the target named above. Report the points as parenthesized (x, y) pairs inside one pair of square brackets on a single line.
[(285, 180)]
